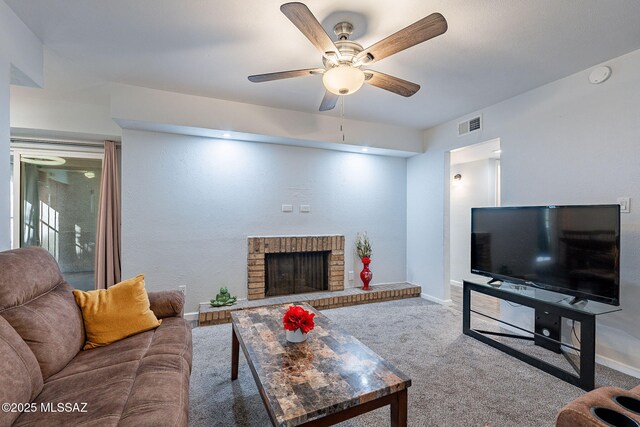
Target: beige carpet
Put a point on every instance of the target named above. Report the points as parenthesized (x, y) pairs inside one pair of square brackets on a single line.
[(457, 380)]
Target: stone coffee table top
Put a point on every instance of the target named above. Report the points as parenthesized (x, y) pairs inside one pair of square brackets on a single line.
[(329, 372)]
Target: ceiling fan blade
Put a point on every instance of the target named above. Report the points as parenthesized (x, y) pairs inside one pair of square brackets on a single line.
[(258, 78), (390, 83), (416, 33), (302, 18), (329, 101)]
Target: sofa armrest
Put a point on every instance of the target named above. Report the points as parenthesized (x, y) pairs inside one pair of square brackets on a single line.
[(167, 303)]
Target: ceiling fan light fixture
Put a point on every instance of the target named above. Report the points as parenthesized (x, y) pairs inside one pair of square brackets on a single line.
[(343, 79), (43, 160)]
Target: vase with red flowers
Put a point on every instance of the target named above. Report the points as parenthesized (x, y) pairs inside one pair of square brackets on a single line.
[(298, 322), (363, 248)]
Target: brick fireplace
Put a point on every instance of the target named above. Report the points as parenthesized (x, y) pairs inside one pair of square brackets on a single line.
[(260, 246)]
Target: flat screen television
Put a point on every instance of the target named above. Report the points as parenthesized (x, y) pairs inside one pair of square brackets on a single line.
[(573, 250)]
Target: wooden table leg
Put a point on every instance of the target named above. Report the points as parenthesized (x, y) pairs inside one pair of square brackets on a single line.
[(235, 349), (399, 409)]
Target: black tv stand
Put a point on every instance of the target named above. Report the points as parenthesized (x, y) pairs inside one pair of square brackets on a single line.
[(578, 301), (495, 283), (547, 328), (550, 308)]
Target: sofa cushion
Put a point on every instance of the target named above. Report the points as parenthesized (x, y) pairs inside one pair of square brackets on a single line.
[(39, 305), (20, 377), (104, 391), (174, 337), (131, 349), (51, 325), (160, 394), (112, 314), (26, 274), (140, 380)]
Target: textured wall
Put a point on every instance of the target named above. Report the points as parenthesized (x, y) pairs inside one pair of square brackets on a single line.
[(190, 203), (568, 142)]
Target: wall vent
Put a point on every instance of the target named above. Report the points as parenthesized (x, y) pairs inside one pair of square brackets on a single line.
[(469, 126)]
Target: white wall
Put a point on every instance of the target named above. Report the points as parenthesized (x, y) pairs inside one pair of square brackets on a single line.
[(20, 63), (568, 142), (189, 203), (150, 106), (5, 172), (427, 265), (21, 47), (477, 188), (50, 117), (72, 105)]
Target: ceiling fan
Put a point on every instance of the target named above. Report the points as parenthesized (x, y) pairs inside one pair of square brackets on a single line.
[(344, 59)]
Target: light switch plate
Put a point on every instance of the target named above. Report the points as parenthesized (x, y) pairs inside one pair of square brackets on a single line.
[(350, 275), (625, 204), (305, 208), (287, 208)]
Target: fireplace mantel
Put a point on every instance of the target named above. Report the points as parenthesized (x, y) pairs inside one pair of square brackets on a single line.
[(261, 245)]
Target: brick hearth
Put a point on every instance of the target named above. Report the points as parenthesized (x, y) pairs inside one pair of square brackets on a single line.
[(259, 246), (321, 300)]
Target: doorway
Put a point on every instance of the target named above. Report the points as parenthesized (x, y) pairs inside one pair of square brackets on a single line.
[(474, 182), (55, 206)]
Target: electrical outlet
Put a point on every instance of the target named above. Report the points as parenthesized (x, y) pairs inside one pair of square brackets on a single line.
[(305, 208), (287, 208), (625, 204), (183, 289)]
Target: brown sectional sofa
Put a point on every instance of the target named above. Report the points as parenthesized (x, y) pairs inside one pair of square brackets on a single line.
[(602, 407), (141, 380)]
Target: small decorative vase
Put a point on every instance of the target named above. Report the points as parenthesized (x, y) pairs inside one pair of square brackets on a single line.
[(296, 336), (366, 275)]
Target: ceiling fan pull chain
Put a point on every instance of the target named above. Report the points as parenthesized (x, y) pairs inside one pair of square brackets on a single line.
[(342, 118)]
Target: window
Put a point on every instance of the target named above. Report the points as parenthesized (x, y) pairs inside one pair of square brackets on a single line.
[(57, 208)]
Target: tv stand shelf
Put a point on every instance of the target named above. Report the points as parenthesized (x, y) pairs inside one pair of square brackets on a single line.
[(550, 308)]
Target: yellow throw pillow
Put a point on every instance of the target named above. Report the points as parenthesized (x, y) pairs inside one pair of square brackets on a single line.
[(115, 313)]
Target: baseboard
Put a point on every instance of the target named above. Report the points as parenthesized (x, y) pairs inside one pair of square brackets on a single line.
[(191, 316), (610, 363), (618, 366), (455, 283), (436, 300)]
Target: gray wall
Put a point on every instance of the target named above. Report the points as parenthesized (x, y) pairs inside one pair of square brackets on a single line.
[(189, 203), (568, 142)]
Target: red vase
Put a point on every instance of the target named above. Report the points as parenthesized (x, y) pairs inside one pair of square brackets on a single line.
[(366, 275)]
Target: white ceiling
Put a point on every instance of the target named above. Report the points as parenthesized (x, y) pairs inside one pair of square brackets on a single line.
[(493, 50)]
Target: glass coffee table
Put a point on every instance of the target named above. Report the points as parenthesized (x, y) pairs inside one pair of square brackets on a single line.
[(329, 378)]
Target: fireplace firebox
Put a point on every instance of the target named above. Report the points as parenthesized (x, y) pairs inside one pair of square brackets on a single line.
[(296, 273), (309, 263)]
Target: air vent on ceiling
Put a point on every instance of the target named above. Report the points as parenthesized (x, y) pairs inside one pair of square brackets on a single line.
[(469, 126)]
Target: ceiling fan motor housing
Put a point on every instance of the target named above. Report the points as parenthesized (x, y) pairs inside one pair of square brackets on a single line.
[(348, 50), (343, 30)]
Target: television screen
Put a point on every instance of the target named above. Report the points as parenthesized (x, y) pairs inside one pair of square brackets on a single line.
[(569, 249)]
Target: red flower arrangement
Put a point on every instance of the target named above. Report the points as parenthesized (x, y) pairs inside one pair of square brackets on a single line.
[(297, 317), (366, 260)]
